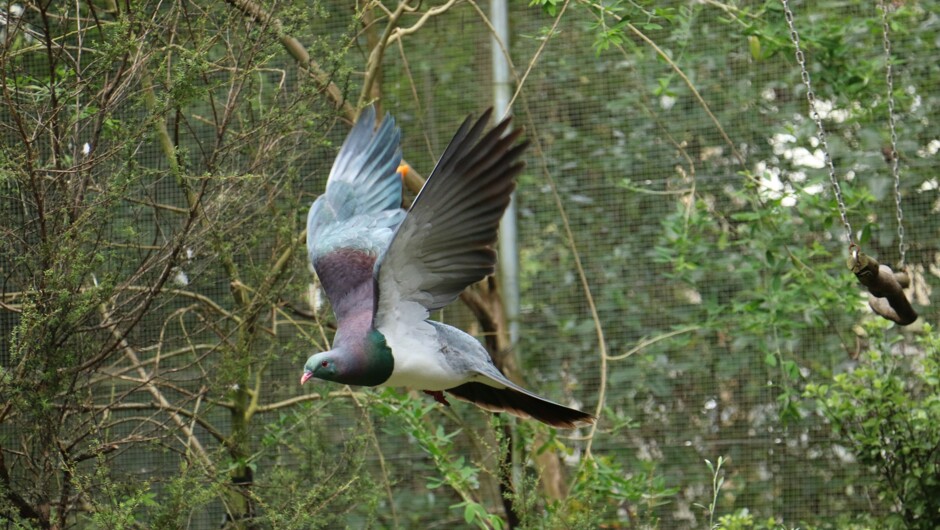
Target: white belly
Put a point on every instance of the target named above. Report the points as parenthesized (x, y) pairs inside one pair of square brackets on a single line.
[(419, 363)]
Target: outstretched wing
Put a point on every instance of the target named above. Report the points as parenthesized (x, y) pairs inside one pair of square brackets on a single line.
[(446, 241), (354, 220)]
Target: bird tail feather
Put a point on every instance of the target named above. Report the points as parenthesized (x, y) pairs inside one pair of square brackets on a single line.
[(522, 403)]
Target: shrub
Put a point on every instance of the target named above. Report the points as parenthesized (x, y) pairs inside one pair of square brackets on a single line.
[(887, 410)]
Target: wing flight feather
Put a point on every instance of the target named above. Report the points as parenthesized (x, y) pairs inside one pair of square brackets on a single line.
[(446, 241)]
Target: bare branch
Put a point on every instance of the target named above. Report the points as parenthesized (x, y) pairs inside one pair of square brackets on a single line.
[(290, 402), (431, 12), (257, 13)]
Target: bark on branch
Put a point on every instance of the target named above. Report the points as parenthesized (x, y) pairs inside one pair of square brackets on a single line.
[(297, 50)]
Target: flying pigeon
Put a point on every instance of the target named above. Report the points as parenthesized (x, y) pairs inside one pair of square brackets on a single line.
[(385, 270)]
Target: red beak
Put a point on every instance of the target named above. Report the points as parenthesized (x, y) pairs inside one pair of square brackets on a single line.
[(306, 377)]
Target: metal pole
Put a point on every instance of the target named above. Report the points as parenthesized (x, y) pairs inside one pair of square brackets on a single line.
[(508, 230)]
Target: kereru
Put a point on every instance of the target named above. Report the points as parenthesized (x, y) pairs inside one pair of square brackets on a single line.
[(384, 271)]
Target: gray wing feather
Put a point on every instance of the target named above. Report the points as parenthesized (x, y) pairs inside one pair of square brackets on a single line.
[(446, 241), (355, 218)]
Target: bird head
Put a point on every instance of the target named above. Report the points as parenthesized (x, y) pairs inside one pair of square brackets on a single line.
[(320, 365), (361, 365)]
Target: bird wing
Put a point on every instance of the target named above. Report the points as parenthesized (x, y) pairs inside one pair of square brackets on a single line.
[(355, 218), (446, 241)]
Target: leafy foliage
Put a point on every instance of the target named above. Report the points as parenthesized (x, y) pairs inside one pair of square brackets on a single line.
[(887, 409)]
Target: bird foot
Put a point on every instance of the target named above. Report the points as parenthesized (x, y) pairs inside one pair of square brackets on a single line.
[(438, 396)]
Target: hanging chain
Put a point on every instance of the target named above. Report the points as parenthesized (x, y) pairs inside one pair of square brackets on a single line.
[(811, 99), (895, 170)]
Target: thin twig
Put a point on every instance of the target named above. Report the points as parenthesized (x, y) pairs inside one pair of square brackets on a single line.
[(538, 53), (297, 51), (161, 400), (374, 64), (431, 12), (304, 398), (675, 67), (374, 440), (653, 340)]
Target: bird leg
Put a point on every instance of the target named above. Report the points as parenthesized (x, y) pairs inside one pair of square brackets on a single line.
[(885, 288), (438, 396)]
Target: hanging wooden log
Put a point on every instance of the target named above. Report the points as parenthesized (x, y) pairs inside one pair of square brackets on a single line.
[(885, 288)]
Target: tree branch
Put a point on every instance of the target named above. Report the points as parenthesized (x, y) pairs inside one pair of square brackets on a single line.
[(297, 50), (155, 405), (304, 398), (27, 511), (431, 12), (374, 64)]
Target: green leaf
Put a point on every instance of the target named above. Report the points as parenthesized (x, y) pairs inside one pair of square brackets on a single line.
[(791, 369), (753, 44), (770, 360), (470, 512)]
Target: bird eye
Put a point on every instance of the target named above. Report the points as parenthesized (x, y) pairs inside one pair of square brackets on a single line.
[(324, 364)]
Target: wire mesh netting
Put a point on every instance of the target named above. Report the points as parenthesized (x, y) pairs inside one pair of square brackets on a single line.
[(681, 254)]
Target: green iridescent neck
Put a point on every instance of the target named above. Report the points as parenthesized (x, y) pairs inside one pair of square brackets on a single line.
[(380, 362)]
